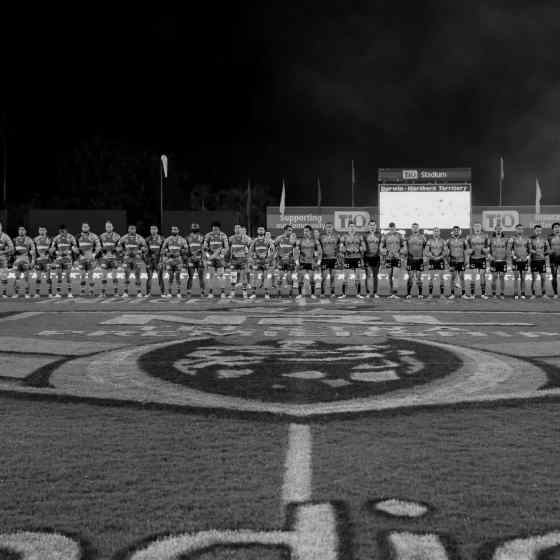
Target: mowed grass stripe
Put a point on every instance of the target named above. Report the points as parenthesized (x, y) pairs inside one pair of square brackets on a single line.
[(489, 473), (117, 475)]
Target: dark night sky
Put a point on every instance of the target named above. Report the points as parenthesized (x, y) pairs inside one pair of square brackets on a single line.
[(295, 91)]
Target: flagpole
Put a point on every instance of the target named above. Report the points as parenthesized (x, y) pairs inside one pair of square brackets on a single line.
[(4, 172), (249, 231), (161, 196), (501, 181)]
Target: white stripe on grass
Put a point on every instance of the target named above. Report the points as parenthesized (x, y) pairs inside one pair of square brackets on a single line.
[(297, 467)]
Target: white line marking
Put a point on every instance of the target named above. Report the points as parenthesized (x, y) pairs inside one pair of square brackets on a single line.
[(297, 474)]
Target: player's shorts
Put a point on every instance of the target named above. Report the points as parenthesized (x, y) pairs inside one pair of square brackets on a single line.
[(520, 266), (173, 264), (216, 263), (457, 266), (352, 262), (393, 262), (414, 263), (306, 266), (437, 264), (22, 264), (500, 266), (286, 265), (109, 262), (554, 260), (195, 264), (329, 264), (63, 263), (478, 263), (134, 263), (371, 262), (87, 262), (3, 262), (538, 266), (238, 264)]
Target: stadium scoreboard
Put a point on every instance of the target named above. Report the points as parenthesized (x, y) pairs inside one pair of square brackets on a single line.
[(432, 197)]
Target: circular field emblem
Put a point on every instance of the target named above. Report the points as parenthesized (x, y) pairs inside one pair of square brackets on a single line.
[(294, 371)]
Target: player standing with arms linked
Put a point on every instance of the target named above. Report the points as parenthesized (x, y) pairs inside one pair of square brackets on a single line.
[(520, 249), (415, 245), (539, 251), (554, 243), (498, 257), (372, 255)]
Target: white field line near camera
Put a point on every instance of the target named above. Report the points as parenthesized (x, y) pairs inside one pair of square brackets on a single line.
[(298, 465)]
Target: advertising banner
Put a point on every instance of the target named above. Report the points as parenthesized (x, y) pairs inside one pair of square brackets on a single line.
[(454, 174)]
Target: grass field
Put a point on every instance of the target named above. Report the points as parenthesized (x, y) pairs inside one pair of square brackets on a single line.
[(107, 452)]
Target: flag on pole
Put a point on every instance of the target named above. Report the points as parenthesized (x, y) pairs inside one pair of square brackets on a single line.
[(501, 181), (248, 208), (164, 163), (283, 199), (501, 169), (538, 197), (319, 194)]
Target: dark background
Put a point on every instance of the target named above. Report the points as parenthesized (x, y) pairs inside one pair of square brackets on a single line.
[(92, 97)]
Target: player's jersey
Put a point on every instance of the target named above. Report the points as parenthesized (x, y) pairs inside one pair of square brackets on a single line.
[(195, 242), (415, 243), (88, 244), (435, 248), (393, 242), (373, 243), (42, 246), (352, 245), (539, 248), (132, 245), (6, 246), (261, 249), (285, 249), (456, 247), (154, 243), (477, 243), (329, 245), (238, 248), (63, 245), (519, 246), (216, 244), (498, 246), (309, 250), (554, 244), (174, 247), (109, 243), (24, 247)]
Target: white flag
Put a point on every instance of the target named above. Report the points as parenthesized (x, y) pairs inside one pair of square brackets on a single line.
[(164, 164), (538, 197), (501, 169), (283, 199)]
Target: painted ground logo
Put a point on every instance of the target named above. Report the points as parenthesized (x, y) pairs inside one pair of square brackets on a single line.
[(300, 371)]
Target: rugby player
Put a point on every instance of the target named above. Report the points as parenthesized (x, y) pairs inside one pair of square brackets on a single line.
[(42, 245), (173, 252), (134, 249), (63, 249), (89, 247), (519, 248), (109, 247), (6, 249), (239, 259), (554, 244), (330, 243), (415, 244), (435, 251), (286, 246), (352, 247), (24, 251), (309, 253), (456, 248), (216, 246), (154, 242), (261, 255), (477, 248), (498, 255), (539, 255), (195, 242), (372, 241)]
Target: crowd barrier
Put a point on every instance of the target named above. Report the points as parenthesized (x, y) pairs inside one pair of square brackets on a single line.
[(338, 283)]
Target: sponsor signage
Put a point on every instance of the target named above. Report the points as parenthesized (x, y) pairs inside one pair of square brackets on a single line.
[(300, 216), (459, 174)]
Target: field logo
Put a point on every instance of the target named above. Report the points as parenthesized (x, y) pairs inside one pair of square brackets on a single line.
[(360, 218), (410, 174), (508, 219)]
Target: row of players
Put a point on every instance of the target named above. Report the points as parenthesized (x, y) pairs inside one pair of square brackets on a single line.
[(315, 250)]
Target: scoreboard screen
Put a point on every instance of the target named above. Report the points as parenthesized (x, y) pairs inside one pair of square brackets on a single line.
[(442, 205)]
